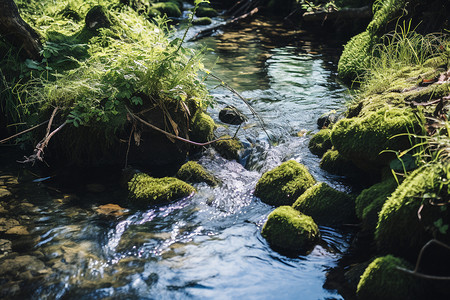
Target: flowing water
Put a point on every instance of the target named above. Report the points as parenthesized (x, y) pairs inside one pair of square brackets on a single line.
[(207, 246)]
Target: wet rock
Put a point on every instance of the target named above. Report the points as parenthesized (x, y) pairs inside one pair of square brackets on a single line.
[(4, 193), (326, 205), (284, 184), (288, 229), (193, 172), (145, 190), (2, 210), (21, 267), (202, 21), (205, 11), (6, 224), (5, 247), (229, 148), (111, 210), (231, 115), (327, 120), (17, 230)]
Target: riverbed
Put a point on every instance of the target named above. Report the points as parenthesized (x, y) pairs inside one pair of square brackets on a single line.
[(207, 246)]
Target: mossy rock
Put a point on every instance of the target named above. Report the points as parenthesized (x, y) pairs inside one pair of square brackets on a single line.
[(333, 162), (399, 230), (284, 184), (97, 18), (326, 205), (382, 280), (205, 11), (385, 12), (202, 128), (193, 172), (364, 139), (145, 190), (228, 147), (69, 13), (354, 59), (369, 203), (202, 21), (169, 9), (320, 142), (288, 229)]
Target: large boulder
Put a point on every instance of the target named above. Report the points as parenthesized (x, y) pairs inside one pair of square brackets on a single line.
[(284, 184), (400, 230), (382, 280), (326, 205), (289, 230), (145, 190)]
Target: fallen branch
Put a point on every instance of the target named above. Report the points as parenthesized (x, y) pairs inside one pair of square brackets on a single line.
[(22, 132), (211, 30), (134, 116), (225, 85), (416, 272), (344, 13)]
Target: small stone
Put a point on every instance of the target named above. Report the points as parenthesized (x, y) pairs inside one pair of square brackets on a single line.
[(4, 193), (5, 246), (18, 230), (111, 210), (6, 224)]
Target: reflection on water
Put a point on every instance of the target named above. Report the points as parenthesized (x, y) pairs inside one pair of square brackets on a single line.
[(207, 246)]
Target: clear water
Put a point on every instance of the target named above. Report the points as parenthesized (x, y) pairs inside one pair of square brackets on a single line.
[(207, 246)]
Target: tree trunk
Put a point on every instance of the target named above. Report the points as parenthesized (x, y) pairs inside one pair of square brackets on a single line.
[(14, 29)]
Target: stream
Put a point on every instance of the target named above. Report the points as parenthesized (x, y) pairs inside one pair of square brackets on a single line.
[(207, 246)]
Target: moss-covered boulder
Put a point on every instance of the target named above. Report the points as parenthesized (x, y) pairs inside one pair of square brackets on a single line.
[(202, 128), (288, 229), (205, 11), (382, 280), (354, 59), (202, 21), (399, 230), (229, 148), (363, 139), (320, 142), (169, 9), (193, 172), (369, 203), (284, 184), (145, 190), (326, 205), (333, 162)]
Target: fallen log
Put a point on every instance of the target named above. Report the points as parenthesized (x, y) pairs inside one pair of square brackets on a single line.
[(211, 30), (344, 13)]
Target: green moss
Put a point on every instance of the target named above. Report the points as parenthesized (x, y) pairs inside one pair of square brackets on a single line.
[(202, 128), (204, 11), (284, 184), (169, 9), (326, 205), (362, 139), (193, 172), (320, 142), (202, 21), (369, 203), (288, 229), (399, 230), (145, 190), (382, 280), (354, 59), (335, 163), (385, 11), (229, 148)]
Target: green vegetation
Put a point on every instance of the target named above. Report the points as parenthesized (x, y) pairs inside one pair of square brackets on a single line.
[(202, 128), (382, 280), (193, 172), (326, 205), (145, 190), (284, 184), (99, 67), (369, 203), (320, 142), (333, 162), (288, 229)]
